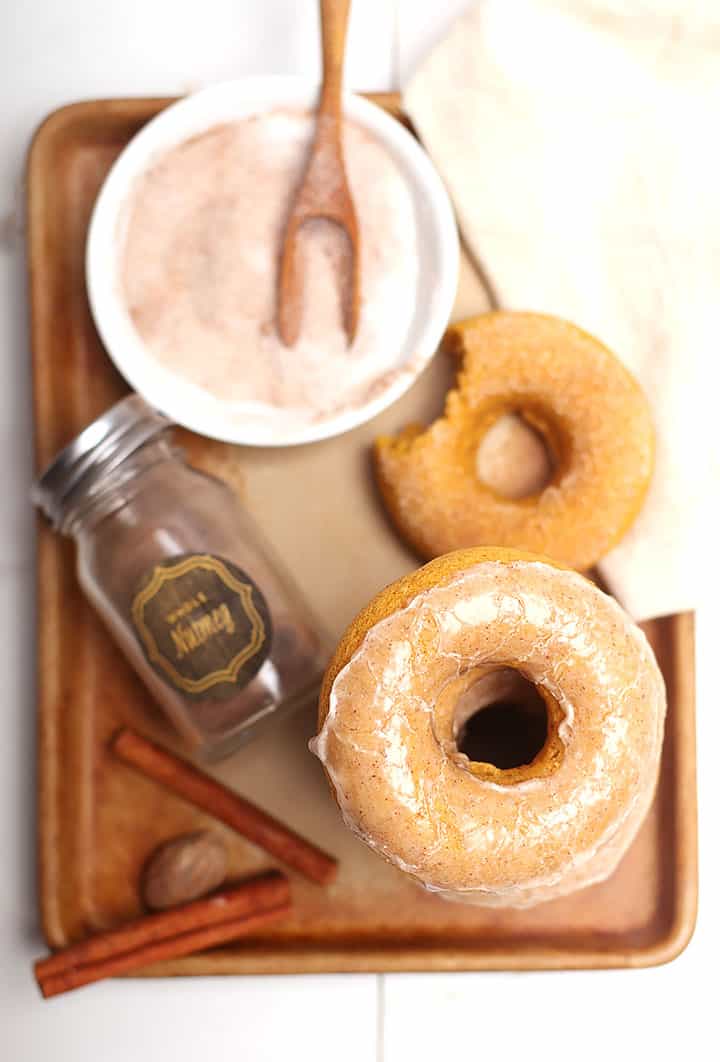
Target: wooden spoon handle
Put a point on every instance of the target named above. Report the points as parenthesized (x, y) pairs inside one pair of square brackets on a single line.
[(334, 15)]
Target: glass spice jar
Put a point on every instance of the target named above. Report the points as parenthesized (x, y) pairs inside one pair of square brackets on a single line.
[(200, 606)]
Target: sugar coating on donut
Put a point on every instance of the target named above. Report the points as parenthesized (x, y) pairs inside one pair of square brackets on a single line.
[(406, 790), (568, 387)]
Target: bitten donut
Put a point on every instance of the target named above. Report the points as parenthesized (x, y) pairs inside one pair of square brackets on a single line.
[(395, 696), (590, 412)]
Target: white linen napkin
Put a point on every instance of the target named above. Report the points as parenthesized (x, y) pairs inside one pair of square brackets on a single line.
[(579, 142)]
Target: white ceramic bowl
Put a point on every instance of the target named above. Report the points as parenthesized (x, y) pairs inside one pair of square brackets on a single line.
[(184, 402)]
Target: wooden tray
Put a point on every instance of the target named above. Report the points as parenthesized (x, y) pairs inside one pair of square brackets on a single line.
[(99, 820)]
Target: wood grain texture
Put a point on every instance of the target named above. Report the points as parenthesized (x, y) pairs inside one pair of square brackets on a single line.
[(98, 822), (324, 191)]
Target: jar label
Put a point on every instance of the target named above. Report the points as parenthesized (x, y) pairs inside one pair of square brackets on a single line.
[(203, 623)]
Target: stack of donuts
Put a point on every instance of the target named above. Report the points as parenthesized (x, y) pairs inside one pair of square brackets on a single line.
[(492, 723)]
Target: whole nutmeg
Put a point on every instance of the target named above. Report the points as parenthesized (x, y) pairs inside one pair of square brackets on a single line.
[(183, 869)]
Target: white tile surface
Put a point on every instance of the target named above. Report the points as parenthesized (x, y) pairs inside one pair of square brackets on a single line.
[(226, 1020), (420, 25), (53, 51)]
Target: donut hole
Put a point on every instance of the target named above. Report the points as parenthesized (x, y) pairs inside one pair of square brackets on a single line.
[(514, 458), (501, 720)]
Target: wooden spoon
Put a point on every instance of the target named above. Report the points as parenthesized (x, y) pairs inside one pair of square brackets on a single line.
[(324, 191)]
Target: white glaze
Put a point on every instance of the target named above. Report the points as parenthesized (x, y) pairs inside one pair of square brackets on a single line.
[(413, 799)]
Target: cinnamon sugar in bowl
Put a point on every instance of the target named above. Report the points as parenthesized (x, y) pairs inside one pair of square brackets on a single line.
[(182, 266)]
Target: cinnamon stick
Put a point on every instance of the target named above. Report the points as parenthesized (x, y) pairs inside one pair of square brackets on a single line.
[(235, 811), (181, 931), (172, 948), (169, 934), (259, 893)]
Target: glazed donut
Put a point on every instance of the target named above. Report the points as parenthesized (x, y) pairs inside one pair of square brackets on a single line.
[(590, 412), (389, 718)]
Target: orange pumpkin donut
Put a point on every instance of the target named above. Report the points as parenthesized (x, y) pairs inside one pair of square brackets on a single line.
[(590, 412), (399, 691)]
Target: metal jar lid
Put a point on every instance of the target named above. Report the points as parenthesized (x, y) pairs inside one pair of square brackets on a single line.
[(100, 447)]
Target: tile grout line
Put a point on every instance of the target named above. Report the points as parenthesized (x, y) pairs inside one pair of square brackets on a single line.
[(380, 1018)]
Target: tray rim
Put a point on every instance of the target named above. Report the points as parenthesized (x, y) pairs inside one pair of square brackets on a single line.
[(371, 959)]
